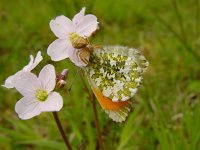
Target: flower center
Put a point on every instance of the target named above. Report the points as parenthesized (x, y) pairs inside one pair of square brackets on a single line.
[(78, 41), (41, 95), (73, 36)]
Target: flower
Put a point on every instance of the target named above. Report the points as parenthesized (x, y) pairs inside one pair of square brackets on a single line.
[(38, 93), (28, 68), (72, 35)]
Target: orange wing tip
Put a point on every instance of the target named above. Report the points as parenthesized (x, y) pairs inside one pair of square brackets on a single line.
[(121, 114), (117, 111)]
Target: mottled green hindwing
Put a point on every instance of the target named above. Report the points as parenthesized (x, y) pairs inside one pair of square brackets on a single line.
[(117, 71)]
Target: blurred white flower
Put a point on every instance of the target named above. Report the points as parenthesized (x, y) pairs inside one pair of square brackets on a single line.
[(38, 93), (72, 35), (28, 68)]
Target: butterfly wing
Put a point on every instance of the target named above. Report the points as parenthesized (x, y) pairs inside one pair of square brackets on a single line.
[(114, 73), (117, 111)]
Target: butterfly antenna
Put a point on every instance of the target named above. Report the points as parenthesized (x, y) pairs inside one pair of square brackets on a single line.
[(72, 82)]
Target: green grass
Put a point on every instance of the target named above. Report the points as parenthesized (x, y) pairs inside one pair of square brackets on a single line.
[(167, 108)]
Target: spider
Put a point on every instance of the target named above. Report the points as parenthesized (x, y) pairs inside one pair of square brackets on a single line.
[(84, 53)]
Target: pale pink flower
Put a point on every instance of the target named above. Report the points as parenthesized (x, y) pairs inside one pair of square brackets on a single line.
[(66, 30), (38, 93)]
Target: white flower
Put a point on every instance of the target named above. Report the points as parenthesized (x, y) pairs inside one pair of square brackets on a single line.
[(67, 31), (38, 93), (31, 65)]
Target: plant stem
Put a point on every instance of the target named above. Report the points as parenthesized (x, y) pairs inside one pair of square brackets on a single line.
[(96, 120), (57, 120)]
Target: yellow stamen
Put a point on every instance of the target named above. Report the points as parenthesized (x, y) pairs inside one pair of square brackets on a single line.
[(41, 95), (78, 41)]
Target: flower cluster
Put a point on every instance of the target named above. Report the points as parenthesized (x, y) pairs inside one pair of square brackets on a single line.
[(72, 42), (37, 91)]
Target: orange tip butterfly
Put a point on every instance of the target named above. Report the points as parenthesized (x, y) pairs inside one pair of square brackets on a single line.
[(115, 73)]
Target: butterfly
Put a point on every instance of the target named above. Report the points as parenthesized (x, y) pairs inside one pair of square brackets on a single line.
[(115, 73)]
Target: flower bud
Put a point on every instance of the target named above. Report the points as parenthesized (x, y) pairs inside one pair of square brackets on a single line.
[(64, 73), (60, 79)]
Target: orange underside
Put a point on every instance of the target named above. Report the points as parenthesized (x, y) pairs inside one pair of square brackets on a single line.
[(107, 103)]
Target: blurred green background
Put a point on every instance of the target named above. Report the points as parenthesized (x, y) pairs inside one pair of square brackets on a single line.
[(167, 109)]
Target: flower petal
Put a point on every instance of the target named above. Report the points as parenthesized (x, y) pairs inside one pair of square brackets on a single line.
[(27, 84), (26, 68), (60, 49), (87, 25), (61, 26), (47, 77), (33, 63), (77, 60), (27, 107), (9, 82), (54, 102), (78, 17)]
